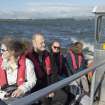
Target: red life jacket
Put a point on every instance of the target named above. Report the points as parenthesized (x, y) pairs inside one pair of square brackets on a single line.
[(43, 68), (20, 73), (63, 69), (80, 59), (48, 65), (60, 60), (60, 63)]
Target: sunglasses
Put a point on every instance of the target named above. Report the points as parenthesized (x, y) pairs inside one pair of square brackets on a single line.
[(55, 47), (3, 50)]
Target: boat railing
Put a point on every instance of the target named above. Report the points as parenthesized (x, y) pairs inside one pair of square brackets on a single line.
[(98, 87), (30, 99)]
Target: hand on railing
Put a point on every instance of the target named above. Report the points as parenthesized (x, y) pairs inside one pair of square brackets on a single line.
[(51, 95)]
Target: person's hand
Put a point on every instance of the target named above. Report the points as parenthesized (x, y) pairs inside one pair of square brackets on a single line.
[(52, 94), (90, 75), (18, 92)]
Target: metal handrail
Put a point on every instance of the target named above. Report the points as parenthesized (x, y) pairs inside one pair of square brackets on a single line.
[(27, 100), (99, 84)]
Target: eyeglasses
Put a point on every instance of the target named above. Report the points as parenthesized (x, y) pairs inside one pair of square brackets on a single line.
[(55, 47), (3, 50)]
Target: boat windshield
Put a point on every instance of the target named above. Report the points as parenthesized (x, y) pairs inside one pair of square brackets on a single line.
[(102, 30)]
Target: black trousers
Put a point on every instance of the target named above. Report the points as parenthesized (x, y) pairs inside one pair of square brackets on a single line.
[(39, 85), (58, 99)]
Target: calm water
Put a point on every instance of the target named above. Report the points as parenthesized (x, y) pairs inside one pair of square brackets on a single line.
[(66, 30)]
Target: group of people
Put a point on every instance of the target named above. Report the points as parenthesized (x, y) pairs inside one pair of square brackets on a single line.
[(31, 68)]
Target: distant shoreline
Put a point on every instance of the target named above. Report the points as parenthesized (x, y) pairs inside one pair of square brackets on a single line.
[(74, 18)]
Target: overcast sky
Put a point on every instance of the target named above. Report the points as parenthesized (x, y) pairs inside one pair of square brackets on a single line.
[(47, 8)]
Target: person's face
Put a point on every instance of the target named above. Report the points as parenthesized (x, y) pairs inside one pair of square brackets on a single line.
[(4, 51), (79, 47), (55, 47), (39, 43)]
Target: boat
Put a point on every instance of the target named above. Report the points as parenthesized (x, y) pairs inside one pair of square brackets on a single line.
[(97, 96)]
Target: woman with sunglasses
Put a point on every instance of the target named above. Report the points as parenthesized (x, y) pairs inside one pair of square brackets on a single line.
[(58, 62), (17, 76), (58, 70)]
